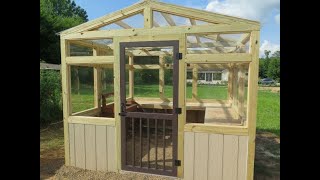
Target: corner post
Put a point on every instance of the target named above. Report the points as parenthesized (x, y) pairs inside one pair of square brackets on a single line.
[(66, 93), (252, 100)]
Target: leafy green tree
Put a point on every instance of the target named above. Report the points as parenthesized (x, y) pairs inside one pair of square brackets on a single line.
[(56, 16), (274, 69)]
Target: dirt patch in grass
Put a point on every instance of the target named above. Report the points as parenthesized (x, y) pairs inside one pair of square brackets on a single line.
[(267, 157), (51, 151)]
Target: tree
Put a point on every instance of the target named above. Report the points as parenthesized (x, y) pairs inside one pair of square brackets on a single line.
[(56, 16), (274, 69)]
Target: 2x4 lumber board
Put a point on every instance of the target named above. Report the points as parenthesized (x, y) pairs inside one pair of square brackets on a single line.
[(123, 25), (235, 89), (215, 129), (217, 58), (201, 152), (193, 23), (131, 77), (111, 149), (242, 157), (210, 45), (230, 83), (148, 17), (182, 103), (161, 77), (168, 18), (88, 112), (107, 19), (66, 93), (101, 146), (244, 39), (97, 86), (80, 148), (208, 66), (97, 82), (146, 66), (188, 155), (78, 60), (91, 120), (230, 157), (72, 145), (199, 14), (252, 100), (148, 53), (215, 159), (241, 92), (101, 34), (195, 82), (90, 141), (90, 44), (116, 73)]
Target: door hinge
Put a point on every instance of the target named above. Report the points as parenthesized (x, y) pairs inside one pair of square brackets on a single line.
[(179, 56), (178, 110), (177, 162), (122, 114)]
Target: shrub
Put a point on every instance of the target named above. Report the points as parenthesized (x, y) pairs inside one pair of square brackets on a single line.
[(50, 97)]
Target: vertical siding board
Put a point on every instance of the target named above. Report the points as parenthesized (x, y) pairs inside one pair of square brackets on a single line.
[(111, 148), (72, 144), (101, 145), (201, 143), (188, 155), (230, 157), (90, 141), (215, 156), (80, 154), (242, 157)]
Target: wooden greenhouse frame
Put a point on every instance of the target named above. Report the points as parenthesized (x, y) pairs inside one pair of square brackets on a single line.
[(204, 151)]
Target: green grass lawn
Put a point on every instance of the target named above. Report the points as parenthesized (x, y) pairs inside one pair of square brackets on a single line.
[(268, 112)]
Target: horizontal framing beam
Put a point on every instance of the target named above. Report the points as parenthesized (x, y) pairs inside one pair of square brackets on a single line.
[(218, 58), (216, 129), (92, 120), (78, 60), (91, 111), (237, 28)]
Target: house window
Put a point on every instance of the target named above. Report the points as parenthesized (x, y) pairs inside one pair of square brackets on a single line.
[(217, 76), (208, 77), (201, 76)]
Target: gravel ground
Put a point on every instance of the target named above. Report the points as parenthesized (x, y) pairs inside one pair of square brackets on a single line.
[(67, 172)]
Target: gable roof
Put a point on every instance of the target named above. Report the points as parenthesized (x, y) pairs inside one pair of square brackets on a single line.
[(162, 7)]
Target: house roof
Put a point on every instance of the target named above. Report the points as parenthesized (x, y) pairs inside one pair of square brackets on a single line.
[(139, 7), (49, 66)]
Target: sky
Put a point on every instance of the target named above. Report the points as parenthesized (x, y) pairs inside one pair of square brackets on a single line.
[(265, 11)]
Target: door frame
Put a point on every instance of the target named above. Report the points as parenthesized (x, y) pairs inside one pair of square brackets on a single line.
[(175, 99)]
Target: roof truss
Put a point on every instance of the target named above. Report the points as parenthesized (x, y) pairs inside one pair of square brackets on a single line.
[(164, 9)]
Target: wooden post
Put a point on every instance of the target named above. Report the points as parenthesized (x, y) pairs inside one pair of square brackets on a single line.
[(131, 77), (116, 72), (235, 89), (230, 83), (66, 96), (252, 100), (97, 82), (161, 77), (148, 17), (182, 103), (195, 82), (241, 92)]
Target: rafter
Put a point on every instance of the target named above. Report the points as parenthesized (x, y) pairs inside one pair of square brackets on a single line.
[(193, 23), (169, 19), (123, 25)]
